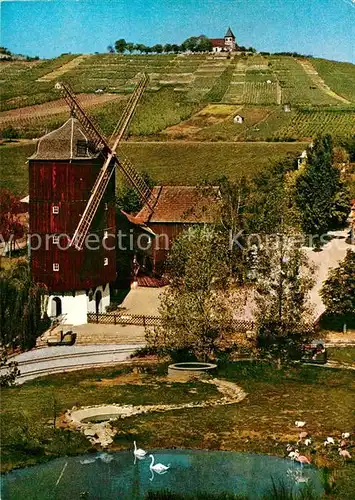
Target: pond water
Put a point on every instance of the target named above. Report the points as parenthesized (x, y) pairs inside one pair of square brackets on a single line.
[(117, 475)]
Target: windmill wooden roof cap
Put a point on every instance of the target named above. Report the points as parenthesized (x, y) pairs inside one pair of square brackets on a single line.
[(181, 204), (62, 143)]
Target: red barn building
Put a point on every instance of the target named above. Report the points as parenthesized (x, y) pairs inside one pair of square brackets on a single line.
[(62, 173), (176, 209)]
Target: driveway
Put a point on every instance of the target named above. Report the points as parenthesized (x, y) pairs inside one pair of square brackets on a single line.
[(327, 258), (143, 300)]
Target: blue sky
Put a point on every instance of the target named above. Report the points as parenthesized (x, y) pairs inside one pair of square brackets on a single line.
[(324, 28)]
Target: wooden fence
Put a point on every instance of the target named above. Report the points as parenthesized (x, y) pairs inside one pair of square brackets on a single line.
[(124, 319), (143, 320)]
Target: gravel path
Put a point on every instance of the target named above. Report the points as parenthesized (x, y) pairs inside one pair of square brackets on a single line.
[(49, 360)]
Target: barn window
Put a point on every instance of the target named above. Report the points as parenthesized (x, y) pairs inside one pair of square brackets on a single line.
[(55, 209), (106, 261), (56, 266), (55, 240)]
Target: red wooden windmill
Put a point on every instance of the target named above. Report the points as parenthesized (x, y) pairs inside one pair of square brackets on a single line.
[(109, 153), (72, 209)]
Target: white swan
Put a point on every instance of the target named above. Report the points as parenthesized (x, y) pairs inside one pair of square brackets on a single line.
[(159, 468), (105, 457), (138, 452)]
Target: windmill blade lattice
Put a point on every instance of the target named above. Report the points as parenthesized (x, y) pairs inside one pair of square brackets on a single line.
[(111, 160)]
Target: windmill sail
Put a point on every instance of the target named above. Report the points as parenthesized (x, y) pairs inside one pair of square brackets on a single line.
[(111, 160), (129, 111)]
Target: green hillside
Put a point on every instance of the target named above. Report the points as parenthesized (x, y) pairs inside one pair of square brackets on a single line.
[(338, 75), (19, 85), (321, 94), (168, 163)]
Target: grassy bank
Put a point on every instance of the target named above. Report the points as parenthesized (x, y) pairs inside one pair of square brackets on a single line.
[(168, 163), (342, 354), (262, 423)]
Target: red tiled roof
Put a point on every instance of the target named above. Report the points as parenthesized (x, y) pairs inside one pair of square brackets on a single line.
[(137, 221), (217, 42), (181, 204), (150, 282)]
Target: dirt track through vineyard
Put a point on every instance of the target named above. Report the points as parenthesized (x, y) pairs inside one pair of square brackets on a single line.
[(53, 75), (53, 108), (318, 81)]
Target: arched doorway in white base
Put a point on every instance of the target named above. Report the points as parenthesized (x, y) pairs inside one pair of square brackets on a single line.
[(56, 306), (98, 302)]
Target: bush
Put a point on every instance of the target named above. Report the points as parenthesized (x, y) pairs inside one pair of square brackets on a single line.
[(8, 370), (9, 133)]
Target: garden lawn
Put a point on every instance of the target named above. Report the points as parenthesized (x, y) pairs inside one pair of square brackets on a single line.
[(263, 422), (27, 411), (342, 354)]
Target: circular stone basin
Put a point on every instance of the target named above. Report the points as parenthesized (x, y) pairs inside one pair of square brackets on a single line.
[(97, 419), (96, 414), (190, 369), (109, 476)]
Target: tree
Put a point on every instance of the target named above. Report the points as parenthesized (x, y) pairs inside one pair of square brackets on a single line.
[(139, 47), (284, 280), (190, 44), (128, 199), (158, 48), (338, 291), (232, 211), (5, 50), (272, 200), (340, 156), (318, 189), (130, 47), (9, 371), (12, 227), (340, 207), (9, 133), (147, 50), (22, 307), (176, 48), (168, 48), (204, 45), (197, 307), (120, 45), (197, 44)]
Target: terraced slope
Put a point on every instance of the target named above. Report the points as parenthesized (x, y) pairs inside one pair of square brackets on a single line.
[(339, 76), (318, 81), (21, 116), (307, 123), (297, 86), (19, 85), (182, 84), (58, 73)]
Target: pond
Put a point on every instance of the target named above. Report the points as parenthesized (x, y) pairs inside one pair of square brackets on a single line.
[(117, 475)]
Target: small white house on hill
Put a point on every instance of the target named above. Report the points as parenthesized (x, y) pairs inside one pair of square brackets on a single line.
[(238, 119)]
